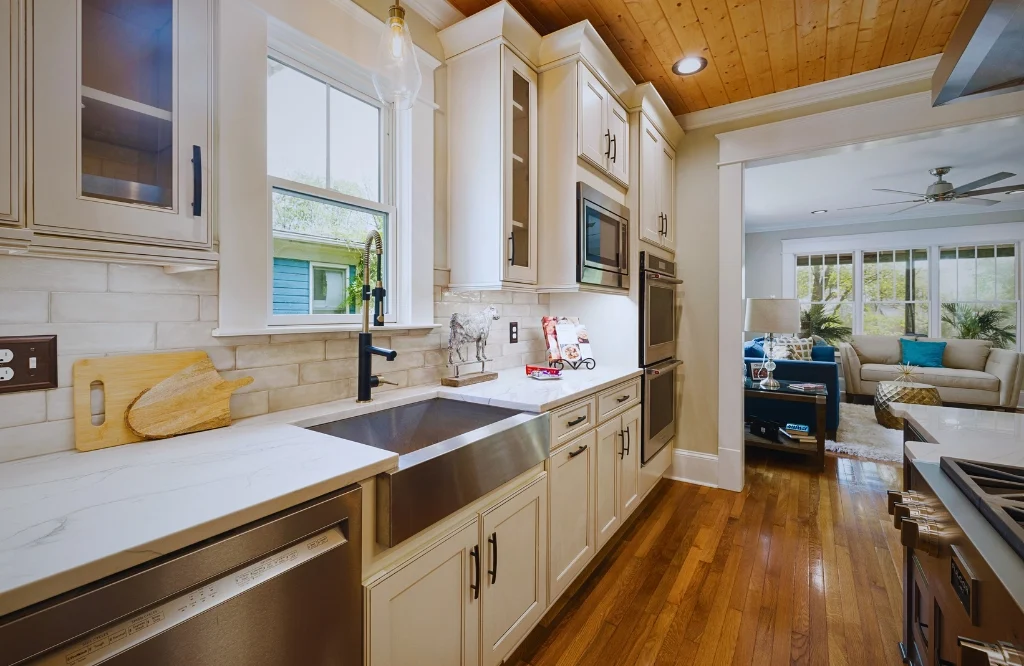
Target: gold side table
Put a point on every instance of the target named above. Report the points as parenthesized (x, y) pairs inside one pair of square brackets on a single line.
[(906, 392)]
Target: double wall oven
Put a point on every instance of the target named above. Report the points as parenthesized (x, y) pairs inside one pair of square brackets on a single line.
[(658, 284)]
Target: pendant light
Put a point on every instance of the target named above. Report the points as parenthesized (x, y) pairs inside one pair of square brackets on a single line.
[(397, 76)]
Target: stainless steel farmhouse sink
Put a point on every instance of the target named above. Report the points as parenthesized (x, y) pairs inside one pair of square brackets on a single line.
[(450, 453)]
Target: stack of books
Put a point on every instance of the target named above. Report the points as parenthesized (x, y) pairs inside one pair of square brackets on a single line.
[(798, 433), (807, 386)]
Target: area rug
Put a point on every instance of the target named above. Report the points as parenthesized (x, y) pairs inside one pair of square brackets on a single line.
[(860, 435)]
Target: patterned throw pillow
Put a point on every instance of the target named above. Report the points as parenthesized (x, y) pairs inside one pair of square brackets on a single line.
[(799, 348)]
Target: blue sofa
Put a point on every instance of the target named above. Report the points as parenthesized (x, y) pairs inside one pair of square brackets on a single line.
[(825, 371)]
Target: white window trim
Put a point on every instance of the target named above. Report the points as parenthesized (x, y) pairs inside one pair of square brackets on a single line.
[(341, 32), (341, 268), (987, 234)]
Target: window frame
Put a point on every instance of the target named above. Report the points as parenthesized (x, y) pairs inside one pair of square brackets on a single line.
[(852, 302), (347, 80), (1011, 233), (996, 303), (313, 265), (863, 302)]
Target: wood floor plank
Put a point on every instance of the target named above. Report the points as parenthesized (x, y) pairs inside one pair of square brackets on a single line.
[(799, 568)]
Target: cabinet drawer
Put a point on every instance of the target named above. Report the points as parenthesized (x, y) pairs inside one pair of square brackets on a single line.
[(618, 399), (573, 420)]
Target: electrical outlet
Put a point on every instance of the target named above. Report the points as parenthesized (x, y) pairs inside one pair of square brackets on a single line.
[(28, 363), (513, 332)]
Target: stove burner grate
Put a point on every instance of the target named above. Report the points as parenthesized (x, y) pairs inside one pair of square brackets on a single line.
[(997, 491)]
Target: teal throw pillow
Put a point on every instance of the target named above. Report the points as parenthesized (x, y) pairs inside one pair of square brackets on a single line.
[(922, 354)]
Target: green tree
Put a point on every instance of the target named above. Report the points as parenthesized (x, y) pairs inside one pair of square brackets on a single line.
[(990, 324), (826, 324)]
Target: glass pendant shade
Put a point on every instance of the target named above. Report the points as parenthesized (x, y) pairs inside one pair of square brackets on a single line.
[(396, 76)]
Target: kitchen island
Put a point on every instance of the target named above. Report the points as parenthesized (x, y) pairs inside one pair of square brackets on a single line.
[(970, 434)]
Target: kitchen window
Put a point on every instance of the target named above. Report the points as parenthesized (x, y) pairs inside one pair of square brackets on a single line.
[(329, 169), (978, 292)]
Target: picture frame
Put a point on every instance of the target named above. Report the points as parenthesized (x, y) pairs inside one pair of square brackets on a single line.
[(758, 371)]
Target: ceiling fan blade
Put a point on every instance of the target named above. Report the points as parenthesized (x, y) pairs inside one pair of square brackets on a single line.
[(895, 212), (891, 203), (995, 190), (913, 194), (975, 201), (1002, 175)]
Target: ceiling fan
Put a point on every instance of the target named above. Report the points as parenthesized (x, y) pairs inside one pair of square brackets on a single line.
[(943, 191)]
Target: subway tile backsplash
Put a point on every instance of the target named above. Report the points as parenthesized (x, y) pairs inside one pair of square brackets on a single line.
[(99, 309)]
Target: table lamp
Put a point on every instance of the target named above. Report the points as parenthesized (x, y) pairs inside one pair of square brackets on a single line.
[(771, 316)]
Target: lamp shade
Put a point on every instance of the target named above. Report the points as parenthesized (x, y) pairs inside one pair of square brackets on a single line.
[(772, 315)]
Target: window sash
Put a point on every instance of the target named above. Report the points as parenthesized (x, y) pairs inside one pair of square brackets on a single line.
[(391, 267)]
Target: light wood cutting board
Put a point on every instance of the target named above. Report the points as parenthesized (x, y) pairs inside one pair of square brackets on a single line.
[(193, 400), (123, 378)]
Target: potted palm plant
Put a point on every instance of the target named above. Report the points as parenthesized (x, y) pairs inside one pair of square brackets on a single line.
[(828, 325), (990, 324)]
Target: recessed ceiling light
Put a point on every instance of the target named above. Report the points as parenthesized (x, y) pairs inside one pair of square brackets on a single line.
[(689, 65), (818, 212)]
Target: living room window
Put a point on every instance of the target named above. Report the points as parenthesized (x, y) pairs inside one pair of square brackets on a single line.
[(978, 292), (895, 292), (329, 171), (825, 287)]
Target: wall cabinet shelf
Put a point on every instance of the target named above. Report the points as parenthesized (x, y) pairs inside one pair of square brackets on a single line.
[(121, 118), (492, 151)]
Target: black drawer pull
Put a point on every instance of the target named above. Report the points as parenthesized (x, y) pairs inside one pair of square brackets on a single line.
[(493, 540), (625, 441), (622, 398), (576, 422), (583, 447), (475, 555)]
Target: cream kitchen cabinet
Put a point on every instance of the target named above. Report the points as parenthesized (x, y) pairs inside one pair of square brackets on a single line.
[(427, 611), (492, 151), (629, 463), (121, 121), (657, 186), (606, 491), (472, 596), (602, 128), (513, 547), (11, 114), (571, 540)]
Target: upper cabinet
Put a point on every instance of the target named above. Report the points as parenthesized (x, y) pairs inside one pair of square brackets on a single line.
[(11, 117), (603, 127), (121, 121), (657, 186), (492, 150)]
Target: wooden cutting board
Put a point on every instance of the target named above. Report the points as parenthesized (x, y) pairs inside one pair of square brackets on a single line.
[(123, 379), (195, 399)]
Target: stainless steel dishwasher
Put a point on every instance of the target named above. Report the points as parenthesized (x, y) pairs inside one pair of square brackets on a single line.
[(280, 591)]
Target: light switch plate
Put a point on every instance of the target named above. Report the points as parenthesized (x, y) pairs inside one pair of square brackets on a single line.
[(30, 365), (513, 332)]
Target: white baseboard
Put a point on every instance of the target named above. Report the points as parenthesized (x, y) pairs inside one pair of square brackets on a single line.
[(694, 467)]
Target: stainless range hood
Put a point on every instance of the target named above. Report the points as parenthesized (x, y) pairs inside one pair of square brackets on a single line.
[(985, 53)]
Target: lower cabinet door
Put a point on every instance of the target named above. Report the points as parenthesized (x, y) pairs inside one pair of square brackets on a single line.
[(629, 463), (606, 480), (428, 611), (571, 529), (513, 544)]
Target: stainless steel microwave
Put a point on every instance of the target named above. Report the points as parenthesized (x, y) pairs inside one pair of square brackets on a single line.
[(603, 237)]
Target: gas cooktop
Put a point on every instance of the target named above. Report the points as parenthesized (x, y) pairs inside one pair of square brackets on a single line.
[(997, 491)]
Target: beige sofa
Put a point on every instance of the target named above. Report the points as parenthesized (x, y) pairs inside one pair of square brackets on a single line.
[(973, 373)]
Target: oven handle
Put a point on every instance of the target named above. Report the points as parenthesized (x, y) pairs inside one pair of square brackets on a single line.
[(651, 275), (661, 368)]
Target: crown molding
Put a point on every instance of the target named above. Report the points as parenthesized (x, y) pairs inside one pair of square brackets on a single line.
[(876, 79), (438, 13)]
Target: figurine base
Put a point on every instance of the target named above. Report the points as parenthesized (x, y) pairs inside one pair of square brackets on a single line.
[(468, 380)]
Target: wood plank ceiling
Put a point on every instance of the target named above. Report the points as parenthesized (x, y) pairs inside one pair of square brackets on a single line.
[(753, 47)]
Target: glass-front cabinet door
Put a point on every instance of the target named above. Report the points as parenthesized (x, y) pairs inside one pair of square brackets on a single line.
[(520, 170), (121, 129)]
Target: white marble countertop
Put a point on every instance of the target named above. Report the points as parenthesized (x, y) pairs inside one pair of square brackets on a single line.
[(972, 434), (72, 518)]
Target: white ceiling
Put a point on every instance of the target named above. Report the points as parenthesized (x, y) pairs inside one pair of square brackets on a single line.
[(782, 196)]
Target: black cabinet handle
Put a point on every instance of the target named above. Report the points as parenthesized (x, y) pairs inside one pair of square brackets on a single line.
[(475, 555), (197, 181), (583, 447), (493, 540), (575, 422), (511, 250), (622, 451), (625, 442), (615, 148), (608, 138), (622, 398)]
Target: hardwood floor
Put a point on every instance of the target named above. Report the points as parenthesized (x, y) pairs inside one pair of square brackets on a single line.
[(800, 568)]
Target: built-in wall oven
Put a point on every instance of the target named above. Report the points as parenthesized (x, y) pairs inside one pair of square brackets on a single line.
[(658, 283), (603, 239)]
